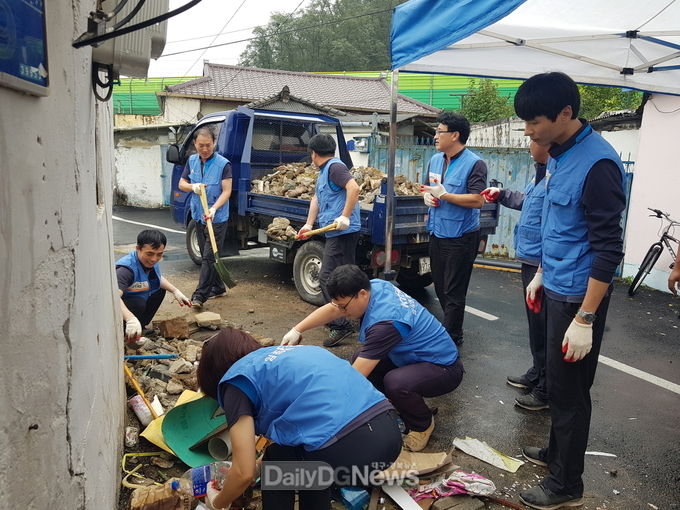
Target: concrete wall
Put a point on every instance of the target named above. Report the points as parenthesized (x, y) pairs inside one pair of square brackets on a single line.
[(656, 185), (62, 397), (180, 110)]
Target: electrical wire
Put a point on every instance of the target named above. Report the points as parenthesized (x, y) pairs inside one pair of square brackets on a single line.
[(97, 81), (214, 38), (325, 23), (130, 15), (83, 40), (116, 10)]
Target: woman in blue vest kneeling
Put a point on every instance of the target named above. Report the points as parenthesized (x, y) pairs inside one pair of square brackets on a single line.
[(407, 354), (318, 411)]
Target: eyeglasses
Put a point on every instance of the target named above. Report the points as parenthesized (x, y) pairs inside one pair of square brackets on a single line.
[(343, 308), (439, 132)]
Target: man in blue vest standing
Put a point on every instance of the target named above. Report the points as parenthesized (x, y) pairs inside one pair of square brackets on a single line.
[(141, 286), (214, 171), (406, 352), (581, 247), (528, 251), (335, 201), (456, 177)]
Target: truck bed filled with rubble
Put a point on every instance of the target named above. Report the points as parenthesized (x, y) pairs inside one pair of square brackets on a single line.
[(298, 180)]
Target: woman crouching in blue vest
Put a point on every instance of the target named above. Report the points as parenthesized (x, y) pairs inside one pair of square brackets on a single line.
[(317, 410), (406, 353)]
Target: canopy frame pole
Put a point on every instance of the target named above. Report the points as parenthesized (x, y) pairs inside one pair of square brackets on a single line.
[(389, 273)]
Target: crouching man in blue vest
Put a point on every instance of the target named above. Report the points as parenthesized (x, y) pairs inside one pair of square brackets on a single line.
[(140, 285), (581, 247), (528, 251), (406, 353), (456, 177), (334, 201), (214, 171), (314, 407)]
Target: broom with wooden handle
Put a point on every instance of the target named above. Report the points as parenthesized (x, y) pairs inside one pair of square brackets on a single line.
[(221, 269)]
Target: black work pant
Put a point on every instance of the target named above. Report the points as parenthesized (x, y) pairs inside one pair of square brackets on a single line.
[(372, 446), (451, 261), (537, 337), (209, 282), (406, 386), (569, 393), (145, 309), (337, 251)]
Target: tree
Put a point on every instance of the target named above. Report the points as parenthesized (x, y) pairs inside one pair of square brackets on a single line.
[(483, 103), (328, 35), (595, 100)]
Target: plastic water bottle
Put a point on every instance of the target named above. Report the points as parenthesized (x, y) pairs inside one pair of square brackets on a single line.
[(195, 480)]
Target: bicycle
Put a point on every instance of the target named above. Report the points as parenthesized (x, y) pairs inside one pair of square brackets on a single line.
[(655, 251)]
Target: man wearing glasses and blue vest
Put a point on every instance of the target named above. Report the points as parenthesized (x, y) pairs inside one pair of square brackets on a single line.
[(456, 177)]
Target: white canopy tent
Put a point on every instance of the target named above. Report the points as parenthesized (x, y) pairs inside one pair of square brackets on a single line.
[(626, 43)]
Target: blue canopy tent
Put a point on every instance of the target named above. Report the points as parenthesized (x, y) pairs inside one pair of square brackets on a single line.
[(622, 43)]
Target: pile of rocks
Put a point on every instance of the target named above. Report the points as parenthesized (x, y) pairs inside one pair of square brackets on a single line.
[(280, 230), (298, 180)]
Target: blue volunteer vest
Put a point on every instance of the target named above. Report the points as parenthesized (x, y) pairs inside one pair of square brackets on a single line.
[(212, 178), (332, 201), (566, 253), (302, 395), (528, 228), (450, 220), (427, 340), (141, 286)]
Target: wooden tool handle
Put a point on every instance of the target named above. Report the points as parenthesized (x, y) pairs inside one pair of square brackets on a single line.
[(138, 389), (328, 228), (208, 222)]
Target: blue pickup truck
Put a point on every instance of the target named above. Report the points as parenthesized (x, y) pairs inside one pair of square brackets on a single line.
[(257, 141)]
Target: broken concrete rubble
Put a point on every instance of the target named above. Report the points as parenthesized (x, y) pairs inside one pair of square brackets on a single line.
[(177, 327), (208, 319)]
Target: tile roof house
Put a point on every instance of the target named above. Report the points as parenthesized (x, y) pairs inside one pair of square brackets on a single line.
[(230, 86)]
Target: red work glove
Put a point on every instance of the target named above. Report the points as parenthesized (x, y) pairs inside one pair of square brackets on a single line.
[(535, 293), (305, 228), (491, 194)]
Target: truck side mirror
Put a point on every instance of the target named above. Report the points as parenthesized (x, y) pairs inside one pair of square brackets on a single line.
[(172, 154)]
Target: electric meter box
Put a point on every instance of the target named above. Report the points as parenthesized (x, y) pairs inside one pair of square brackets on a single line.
[(131, 53)]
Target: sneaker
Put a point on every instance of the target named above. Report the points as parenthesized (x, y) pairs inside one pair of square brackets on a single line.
[(215, 292), (531, 402), (544, 499), (535, 455), (197, 303), (458, 341), (416, 441), (335, 336), (520, 382)]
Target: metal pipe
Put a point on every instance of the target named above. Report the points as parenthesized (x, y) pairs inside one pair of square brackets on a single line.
[(390, 274)]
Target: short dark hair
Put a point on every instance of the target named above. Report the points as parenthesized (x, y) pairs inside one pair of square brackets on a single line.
[(154, 238), (219, 353), (456, 122), (206, 131), (323, 144), (347, 280), (547, 94)]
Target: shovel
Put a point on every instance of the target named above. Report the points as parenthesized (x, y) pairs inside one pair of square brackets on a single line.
[(221, 269), (314, 232)]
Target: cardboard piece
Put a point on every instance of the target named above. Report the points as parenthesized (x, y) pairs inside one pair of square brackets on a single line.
[(415, 463), (187, 428), (484, 452)]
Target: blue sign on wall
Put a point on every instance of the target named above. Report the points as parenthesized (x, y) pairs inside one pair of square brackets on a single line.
[(23, 46)]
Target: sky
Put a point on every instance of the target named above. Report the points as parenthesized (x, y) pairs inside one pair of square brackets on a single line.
[(200, 26)]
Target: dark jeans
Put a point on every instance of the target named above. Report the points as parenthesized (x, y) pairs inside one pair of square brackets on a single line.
[(451, 260), (537, 337), (145, 309), (569, 393), (374, 445), (406, 386), (338, 251), (209, 280)]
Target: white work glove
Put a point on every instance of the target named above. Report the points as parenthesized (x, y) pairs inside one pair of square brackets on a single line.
[(181, 298), (491, 194), (133, 329), (305, 228), (196, 187), (342, 222), (534, 291), (429, 200), (578, 340), (436, 191), (211, 214), (211, 493), (293, 337)]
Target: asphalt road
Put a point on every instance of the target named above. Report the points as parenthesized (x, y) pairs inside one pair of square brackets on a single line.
[(636, 405)]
